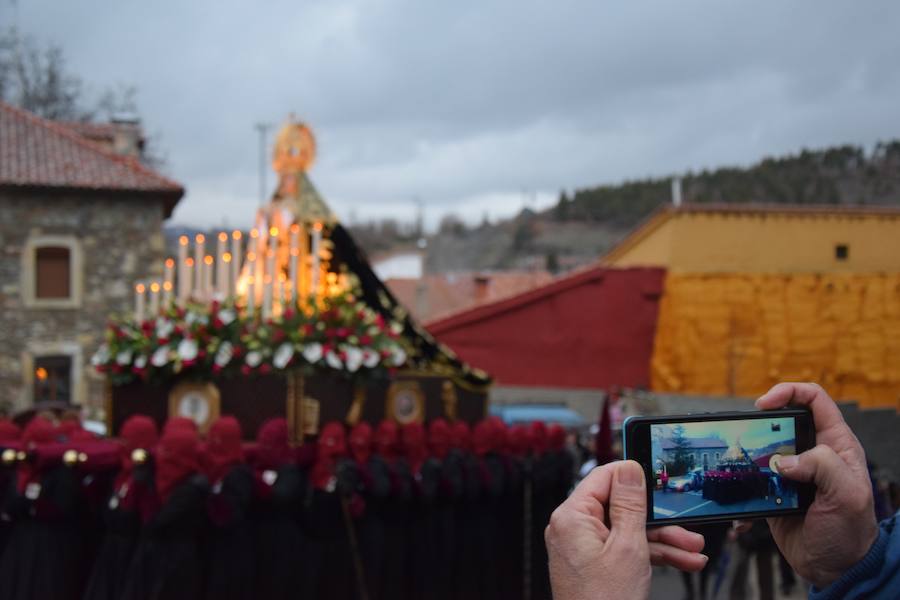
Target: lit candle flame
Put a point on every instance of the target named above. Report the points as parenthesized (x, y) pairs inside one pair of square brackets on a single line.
[(167, 286), (208, 259), (154, 287), (254, 233), (236, 234), (170, 263), (223, 237), (317, 227), (189, 262), (273, 231), (200, 238), (226, 257), (183, 240), (139, 288)]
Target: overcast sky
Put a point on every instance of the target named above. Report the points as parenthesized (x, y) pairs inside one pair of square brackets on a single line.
[(471, 106)]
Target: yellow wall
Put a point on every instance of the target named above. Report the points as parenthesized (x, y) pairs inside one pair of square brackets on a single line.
[(765, 242), (739, 334)]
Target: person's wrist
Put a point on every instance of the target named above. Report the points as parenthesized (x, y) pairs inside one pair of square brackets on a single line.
[(859, 549)]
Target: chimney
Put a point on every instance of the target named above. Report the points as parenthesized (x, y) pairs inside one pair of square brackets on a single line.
[(676, 191), (482, 286), (128, 139)]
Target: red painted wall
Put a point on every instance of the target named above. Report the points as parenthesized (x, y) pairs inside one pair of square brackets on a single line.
[(593, 329)]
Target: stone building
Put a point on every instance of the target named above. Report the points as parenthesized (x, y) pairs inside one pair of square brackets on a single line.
[(80, 220)]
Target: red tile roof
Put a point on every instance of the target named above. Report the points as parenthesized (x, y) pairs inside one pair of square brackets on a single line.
[(450, 293), (38, 153)]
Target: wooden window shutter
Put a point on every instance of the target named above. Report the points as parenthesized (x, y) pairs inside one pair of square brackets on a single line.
[(52, 272)]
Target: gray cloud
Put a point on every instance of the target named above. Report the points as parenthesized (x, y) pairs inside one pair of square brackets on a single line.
[(467, 104)]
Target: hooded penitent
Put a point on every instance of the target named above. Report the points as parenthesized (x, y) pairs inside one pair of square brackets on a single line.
[(179, 423), (361, 443), (537, 438), (415, 448), (517, 440), (439, 438), (177, 459), (331, 446), (223, 447), (138, 432), (273, 449), (39, 432), (556, 438), (9, 431), (460, 436), (387, 439)]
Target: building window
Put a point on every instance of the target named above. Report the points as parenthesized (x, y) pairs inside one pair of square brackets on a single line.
[(52, 272), (841, 251), (53, 379), (52, 275)]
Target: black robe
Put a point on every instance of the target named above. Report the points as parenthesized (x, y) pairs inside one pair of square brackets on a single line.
[(544, 499), (392, 515), (479, 528), (374, 486), (122, 526), (329, 563), (232, 560), (449, 494), (45, 555), (168, 562), (513, 527), (280, 546), (422, 533)]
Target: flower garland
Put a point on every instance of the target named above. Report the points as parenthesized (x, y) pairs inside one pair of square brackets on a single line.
[(343, 334)]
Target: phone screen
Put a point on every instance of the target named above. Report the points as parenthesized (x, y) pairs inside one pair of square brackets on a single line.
[(721, 467)]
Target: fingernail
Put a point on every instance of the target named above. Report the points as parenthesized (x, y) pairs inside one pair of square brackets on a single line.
[(788, 462), (631, 474), (705, 558)]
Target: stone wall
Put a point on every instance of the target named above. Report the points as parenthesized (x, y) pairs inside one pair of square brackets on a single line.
[(120, 240)]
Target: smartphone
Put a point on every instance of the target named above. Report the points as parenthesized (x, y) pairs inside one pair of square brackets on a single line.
[(712, 467)]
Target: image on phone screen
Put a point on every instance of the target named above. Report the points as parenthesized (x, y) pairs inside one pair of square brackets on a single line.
[(707, 468)]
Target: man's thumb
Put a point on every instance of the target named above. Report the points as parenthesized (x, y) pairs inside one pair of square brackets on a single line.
[(628, 499), (819, 465)]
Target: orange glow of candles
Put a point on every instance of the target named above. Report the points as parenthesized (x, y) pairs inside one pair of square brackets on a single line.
[(254, 233), (273, 231), (167, 286), (170, 263), (226, 257), (140, 288), (200, 238), (208, 260), (189, 262), (235, 235), (223, 237), (183, 240)]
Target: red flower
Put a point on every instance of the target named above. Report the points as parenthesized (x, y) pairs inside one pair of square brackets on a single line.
[(342, 355), (365, 340), (237, 351), (162, 341), (216, 369), (308, 329), (189, 363), (288, 314), (245, 369), (379, 321), (217, 323), (277, 335), (264, 368), (343, 332), (214, 307), (179, 330), (326, 348)]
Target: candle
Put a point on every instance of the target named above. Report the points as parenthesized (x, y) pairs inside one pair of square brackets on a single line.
[(221, 265), (267, 298), (198, 260), (279, 293), (186, 281), (314, 272), (167, 282), (251, 295), (303, 260), (139, 290), (257, 269), (295, 255), (235, 259), (225, 285), (207, 277), (154, 299), (183, 284)]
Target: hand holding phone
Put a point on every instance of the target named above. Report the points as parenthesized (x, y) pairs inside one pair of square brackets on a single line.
[(839, 527), (720, 466)]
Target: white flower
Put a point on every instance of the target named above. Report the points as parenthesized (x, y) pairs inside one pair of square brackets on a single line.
[(160, 356), (396, 327), (333, 360), (164, 327), (312, 353), (283, 355), (100, 356), (254, 358), (224, 354), (195, 317), (354, 359), (187, 349), (370, 358), (398, 356), (124, 357), (141, 361), (227, 316)]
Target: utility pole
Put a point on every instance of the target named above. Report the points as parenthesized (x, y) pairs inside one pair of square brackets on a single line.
[(263, 129)]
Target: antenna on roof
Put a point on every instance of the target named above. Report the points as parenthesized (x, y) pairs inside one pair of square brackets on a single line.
[(676, 191)]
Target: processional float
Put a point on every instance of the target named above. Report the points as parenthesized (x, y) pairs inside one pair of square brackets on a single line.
[(286, 320)]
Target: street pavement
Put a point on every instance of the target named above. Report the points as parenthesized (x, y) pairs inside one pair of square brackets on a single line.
[(671, 504)]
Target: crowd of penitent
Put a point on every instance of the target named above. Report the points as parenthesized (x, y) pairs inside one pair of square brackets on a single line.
[(441, 511)]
